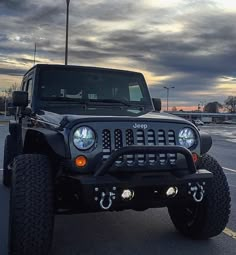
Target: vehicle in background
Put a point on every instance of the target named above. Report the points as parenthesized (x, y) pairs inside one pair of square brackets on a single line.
[(199, 122)]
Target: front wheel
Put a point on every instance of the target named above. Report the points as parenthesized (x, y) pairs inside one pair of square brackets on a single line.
[(210, 217), (31, 206)]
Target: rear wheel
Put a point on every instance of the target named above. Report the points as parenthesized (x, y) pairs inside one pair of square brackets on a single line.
[(31, 206), (210, 217), (9, 153)]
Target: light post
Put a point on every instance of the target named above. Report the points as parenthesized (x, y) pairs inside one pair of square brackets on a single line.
[(167, 90), (67, 30)]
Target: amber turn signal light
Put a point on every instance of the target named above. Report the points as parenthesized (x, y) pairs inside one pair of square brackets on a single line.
[(195, 157), (81, 161)]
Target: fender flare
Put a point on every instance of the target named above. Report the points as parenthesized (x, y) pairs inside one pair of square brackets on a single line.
[(206, 142), (55, 140)]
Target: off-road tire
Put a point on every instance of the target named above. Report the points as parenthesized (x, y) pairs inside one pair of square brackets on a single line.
[(9, 153), (208, 218), (31, 217)]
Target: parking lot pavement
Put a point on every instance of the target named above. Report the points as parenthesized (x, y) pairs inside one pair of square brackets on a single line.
[(129, 232), (227, 132)]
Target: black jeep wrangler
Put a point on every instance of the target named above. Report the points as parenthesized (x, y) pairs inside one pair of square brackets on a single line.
[(90, 139)]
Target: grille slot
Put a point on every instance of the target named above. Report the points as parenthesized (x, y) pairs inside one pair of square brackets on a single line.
[(140, 141), (171, 141), (129, 135), (106, 144), (118, 144), (151, 141), (162, 141), (115, 139)]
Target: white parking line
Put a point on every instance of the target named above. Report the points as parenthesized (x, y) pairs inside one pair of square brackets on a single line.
[(229, 169), (230, 233)]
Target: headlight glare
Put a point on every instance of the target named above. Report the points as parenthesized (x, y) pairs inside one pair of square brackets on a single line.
[(84, 138), (187, 137)]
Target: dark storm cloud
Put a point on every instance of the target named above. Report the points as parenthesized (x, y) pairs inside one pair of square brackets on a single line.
[(110, 11), (203, 51), (114, 10), (12, 72), (12, 4), (45, 15)]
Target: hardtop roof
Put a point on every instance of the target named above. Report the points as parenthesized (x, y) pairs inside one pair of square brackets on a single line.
[(57, 66)]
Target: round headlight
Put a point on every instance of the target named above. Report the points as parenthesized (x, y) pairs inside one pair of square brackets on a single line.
[(84, 138), (186, 137)]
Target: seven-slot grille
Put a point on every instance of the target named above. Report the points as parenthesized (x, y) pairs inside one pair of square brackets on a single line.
[(115, 139)]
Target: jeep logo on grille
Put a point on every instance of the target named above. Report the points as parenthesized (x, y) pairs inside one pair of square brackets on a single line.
[(142, 126)]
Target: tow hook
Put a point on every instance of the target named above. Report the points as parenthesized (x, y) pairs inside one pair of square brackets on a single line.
[(197, 191), (106, 200)]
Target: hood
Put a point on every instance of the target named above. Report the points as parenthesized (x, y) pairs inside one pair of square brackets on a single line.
[(62, 120)]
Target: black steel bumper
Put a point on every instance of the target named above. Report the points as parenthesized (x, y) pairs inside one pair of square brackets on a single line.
[(106, 191), (146, 150)]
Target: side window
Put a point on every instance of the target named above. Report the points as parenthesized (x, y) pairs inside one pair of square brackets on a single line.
[(29, 88)]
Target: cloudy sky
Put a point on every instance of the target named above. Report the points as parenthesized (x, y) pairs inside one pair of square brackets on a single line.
[(188, 44)]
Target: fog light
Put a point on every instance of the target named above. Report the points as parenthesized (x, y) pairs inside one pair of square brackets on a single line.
[(81, 161), (127, 194), (172, 192)]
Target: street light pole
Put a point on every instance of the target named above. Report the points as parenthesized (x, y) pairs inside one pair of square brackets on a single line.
[(167, 101), (67, 30)]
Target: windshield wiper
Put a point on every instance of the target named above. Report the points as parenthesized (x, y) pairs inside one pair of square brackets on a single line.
[(88, 101), (110, 101), (85, 101), (65, 99)]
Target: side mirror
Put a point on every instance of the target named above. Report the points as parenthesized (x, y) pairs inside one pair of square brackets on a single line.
[(20, 98), (157, 104)]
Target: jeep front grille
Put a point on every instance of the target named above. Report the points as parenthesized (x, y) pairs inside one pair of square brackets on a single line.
[(115, 139)]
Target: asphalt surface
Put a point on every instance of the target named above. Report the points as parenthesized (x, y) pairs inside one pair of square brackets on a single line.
[(149, 232)]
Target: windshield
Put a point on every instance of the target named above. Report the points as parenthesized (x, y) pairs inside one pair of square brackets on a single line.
[(99, 88)]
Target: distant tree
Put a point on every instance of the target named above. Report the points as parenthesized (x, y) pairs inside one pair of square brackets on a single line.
[(174, 109), (230, 104), (213, 107), (6, 96), (2, 104), (9, 90)]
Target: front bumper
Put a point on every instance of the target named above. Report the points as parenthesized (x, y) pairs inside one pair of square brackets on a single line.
[(119, 191)]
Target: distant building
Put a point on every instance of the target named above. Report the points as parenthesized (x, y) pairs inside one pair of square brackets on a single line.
[(206, 117)]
